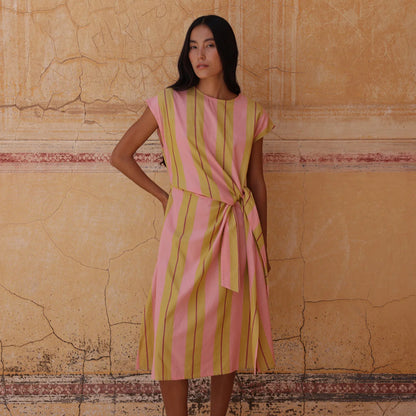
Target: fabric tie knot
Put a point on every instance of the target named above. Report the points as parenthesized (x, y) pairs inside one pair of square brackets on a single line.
[(241, 228)]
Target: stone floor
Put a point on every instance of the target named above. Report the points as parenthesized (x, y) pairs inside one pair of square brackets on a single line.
[(268, 395), (292, 408)]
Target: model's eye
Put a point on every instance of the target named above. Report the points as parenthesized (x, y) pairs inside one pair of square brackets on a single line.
[(211, 45), (192, 47)]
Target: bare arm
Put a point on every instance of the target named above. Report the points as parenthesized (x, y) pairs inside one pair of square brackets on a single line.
[(122, 157), (257, 185)]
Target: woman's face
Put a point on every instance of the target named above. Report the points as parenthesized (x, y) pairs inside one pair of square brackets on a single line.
[(203, 53)]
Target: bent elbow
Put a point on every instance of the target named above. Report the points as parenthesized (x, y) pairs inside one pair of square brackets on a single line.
[(115, 158)]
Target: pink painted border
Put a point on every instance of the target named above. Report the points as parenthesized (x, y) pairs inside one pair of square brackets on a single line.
[(52, 158), (273, 161)]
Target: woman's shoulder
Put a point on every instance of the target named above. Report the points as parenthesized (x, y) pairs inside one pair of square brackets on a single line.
[(166, 94)]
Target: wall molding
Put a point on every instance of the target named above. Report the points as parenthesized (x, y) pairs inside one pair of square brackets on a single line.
[(279, 156)]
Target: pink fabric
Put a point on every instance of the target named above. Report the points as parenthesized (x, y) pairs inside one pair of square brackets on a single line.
[(211, 250)]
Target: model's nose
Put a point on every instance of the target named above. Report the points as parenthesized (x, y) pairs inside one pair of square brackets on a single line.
[(201, 53)]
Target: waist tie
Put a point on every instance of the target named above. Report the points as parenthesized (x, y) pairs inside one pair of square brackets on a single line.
[(241, 223)]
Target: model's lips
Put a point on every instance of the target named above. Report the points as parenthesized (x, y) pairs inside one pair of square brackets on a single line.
[(200, 66)]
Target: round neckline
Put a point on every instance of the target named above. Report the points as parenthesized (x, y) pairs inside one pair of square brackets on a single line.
[(214, 98)]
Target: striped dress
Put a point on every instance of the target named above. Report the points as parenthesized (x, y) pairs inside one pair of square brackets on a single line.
[(207, 313)]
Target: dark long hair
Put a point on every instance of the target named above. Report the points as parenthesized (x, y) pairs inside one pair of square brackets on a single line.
[(226, 45)]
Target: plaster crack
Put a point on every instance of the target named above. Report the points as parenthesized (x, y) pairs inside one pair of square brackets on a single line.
[(108, 322), (388, 408), (41, 107), (303, 293), (3, 381), (343, 369), (31, 12), (67, 255), (103, 357), (124, 323), (287, 338), (354, 26), (110, 358), (393, 301), (129, 250), (370, 345), (46, 318), (383, 410), (60, 338), (367, 301), (29, 342), (283, 70), (81, 396), (338, 300), (287, 258), (388, 365), (249, 71)]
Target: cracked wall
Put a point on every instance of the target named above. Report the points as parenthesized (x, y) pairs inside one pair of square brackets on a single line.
[(78, 241)]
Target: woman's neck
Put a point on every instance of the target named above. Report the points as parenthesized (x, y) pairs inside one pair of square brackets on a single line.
[(215, 88)]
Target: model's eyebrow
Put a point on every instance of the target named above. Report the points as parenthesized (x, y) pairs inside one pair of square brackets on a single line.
[(206, 40)]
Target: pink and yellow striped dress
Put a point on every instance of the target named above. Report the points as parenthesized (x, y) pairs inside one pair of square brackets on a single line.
[(207, 313)]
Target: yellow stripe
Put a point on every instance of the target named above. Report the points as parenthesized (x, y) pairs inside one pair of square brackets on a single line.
[(250, 126), (233, 253), (244, 353), (166, 104), (195, 129), (223, 331), (147, 332), (258, 235), (146, 337), (225, 140), (254, 320), (267, 355), (175, 270), (194, 338)]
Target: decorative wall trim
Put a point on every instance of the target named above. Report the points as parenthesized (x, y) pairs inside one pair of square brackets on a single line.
[(274, 161), (248, 388), (279, 155)]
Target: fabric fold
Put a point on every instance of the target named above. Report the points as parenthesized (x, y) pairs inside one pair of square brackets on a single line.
[(234, 262)]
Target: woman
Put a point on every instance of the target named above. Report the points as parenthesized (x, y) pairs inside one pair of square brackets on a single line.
[(207, 314)]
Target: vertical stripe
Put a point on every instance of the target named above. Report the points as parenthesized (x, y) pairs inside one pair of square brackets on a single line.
[(145, 354), (223, 333), (242, 142), (197, 309), (177, 262), (212, 306), (183, 321), (235, 317), (267, 350), (245, 326), (183, 145), (224, 135), (195, 124), (225, 146), (146, 338), (250, 126), (178, 176)]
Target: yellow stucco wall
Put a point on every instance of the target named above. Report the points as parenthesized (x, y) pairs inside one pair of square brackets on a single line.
[(78, 240)]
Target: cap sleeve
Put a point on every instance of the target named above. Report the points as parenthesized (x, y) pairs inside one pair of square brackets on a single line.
[(263, 125), (153, 104)]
